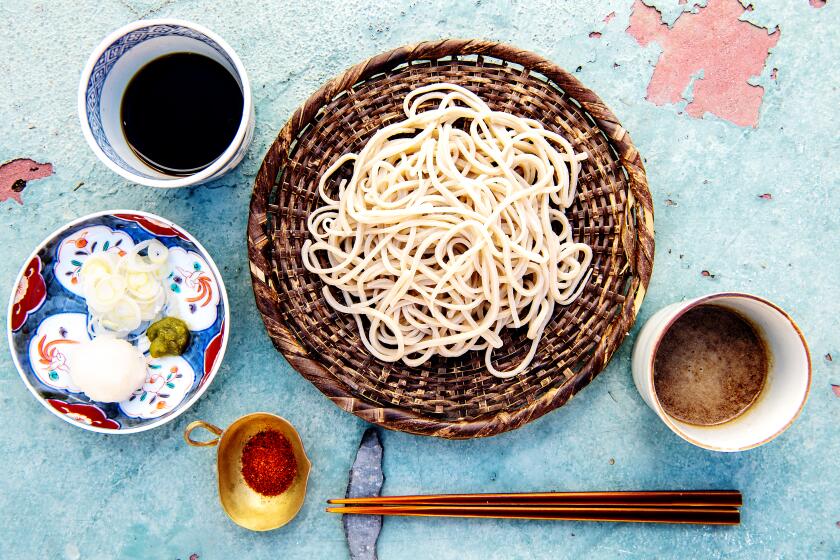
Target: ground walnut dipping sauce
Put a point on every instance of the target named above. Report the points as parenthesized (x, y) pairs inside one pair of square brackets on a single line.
[(710, 366), (268, 463)]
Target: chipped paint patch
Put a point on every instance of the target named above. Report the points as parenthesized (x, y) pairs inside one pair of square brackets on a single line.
[(15, 173), (727, 50), (599, 28), (836, 389), (817, 3)]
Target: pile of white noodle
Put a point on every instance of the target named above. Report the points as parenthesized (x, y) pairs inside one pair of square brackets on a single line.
[(451, 229), (122, 292)]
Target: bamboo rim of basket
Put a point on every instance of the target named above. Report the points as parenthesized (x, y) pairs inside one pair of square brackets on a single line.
[(636, 237)]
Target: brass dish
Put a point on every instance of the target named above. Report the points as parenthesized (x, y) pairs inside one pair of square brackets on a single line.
[(243, 505)]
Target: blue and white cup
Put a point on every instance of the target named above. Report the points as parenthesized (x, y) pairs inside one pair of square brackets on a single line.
[(107, 74)]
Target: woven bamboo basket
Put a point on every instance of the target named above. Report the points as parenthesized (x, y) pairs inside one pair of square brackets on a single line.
[(451, 397)]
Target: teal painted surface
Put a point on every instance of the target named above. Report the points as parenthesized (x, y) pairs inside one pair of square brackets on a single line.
[(66, 493)]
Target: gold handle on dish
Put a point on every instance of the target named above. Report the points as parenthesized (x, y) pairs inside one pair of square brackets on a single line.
[(207, 426)]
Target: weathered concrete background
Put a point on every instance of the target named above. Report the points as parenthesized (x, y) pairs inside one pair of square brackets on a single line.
[(735, 110)]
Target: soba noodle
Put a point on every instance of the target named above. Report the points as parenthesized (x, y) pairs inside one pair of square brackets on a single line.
[(451, 229)]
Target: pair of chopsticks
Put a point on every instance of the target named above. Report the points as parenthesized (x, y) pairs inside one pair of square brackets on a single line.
[(708, 507)]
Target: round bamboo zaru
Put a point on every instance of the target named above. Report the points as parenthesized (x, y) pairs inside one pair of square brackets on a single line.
[(451, 397)]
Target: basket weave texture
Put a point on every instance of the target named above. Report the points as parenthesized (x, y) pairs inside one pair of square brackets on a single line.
[(451, 397)]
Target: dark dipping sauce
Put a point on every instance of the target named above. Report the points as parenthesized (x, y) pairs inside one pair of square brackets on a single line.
[(180, 112), (710, 366)]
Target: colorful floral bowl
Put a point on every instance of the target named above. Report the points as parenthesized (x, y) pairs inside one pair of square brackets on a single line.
[(47, 312)]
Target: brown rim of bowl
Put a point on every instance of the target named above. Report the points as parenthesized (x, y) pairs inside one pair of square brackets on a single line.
[(706, 299)]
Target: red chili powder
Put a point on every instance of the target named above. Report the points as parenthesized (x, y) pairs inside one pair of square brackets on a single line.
[(268, 463)]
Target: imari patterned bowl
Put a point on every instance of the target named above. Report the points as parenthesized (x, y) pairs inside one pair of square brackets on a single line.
[(48, 314)]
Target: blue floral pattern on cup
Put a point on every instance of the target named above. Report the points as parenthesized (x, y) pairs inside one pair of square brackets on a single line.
[(106, 62)]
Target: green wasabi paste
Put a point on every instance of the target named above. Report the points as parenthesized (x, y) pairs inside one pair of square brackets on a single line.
[(169, 337)]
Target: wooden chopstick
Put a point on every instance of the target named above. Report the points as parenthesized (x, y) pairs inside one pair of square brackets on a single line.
[(709, 516), (695, 498)]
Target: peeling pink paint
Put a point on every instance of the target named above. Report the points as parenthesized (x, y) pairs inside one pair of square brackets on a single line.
[(682, 2), (836, 389), (774, 74), (714, 40), (14, 175), (595, 35), (608, 18), (817, 3)]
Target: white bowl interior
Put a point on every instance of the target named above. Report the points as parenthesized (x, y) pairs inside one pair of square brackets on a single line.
[(122, 72), (785, 389)]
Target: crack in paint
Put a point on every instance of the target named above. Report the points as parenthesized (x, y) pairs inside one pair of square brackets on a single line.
[(14, 175), (729, 51)]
